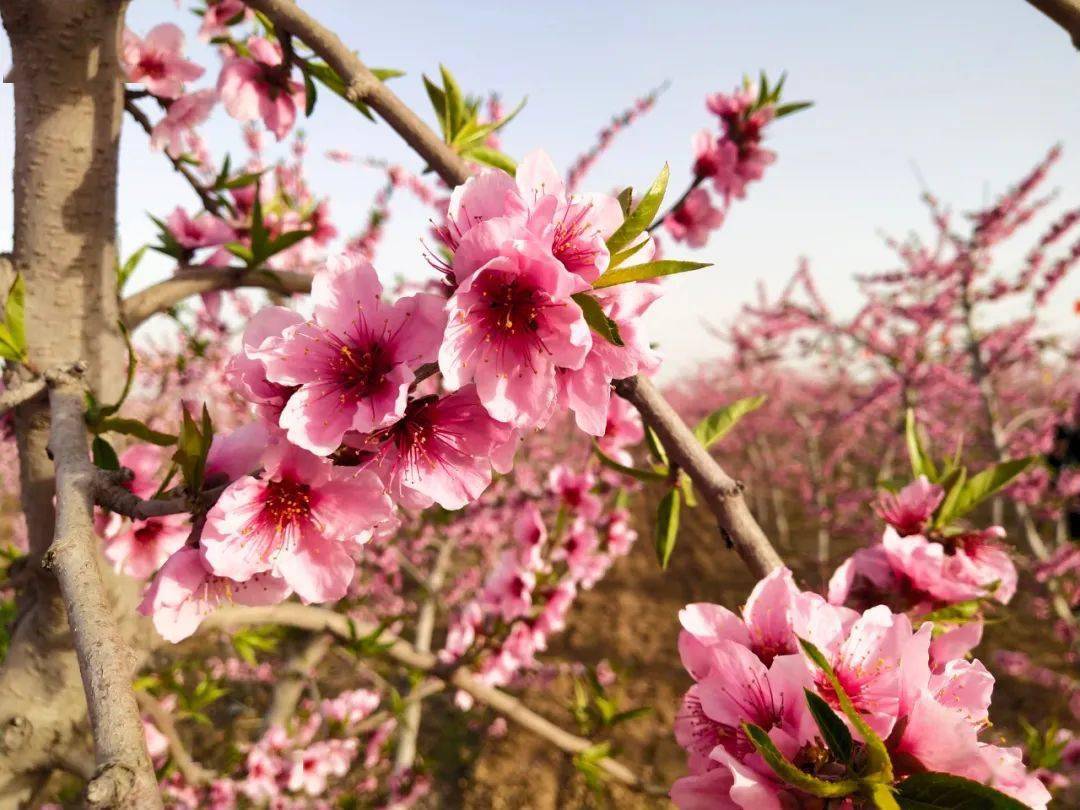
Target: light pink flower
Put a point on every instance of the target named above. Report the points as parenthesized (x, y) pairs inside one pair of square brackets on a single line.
[(261, 87), (910, 510), (623, 427), (295, 523), (247, 371), (574, 490), (974, 566), (694, 220), (512, 322), (205, 230), (185, 592), (219, 15), (138, 548), (173, 132), (158, 60), (353, 362), (236, 454), (438, 452)]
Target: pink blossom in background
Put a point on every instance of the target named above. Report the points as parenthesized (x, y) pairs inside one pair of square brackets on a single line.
[(138, 548), (694, 220), (204, 230), (219, 15), (174, 131), (294, 522), (261, 88), (157, 61), (352, 364), (185, 591)]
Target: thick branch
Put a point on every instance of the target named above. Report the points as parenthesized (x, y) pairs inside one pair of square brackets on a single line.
[(125, 777), (722, 493), (192, 771), (319, 619), (108, 492), (1065, 13), (20, 393), (191, 281)]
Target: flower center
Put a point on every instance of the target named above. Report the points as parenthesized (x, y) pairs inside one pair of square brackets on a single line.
[(512, 309), (152, 66), (286, 502), (362, 369)]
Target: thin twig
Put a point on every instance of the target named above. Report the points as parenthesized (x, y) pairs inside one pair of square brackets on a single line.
[(319, 619), (125, 776), (192, 771), (290, 684)]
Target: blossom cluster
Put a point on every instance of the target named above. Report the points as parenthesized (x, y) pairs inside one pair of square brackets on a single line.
[(922, 697)]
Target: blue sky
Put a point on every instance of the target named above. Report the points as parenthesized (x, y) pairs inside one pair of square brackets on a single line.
[(966, 95)]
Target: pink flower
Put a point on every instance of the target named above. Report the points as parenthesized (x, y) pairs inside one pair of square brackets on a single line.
[(694, 219), (574, 490), (261, 87), (138, 548), (909, 511), (512, 322), (173, 132), (438, 452), (294, 522), (185, 592), (974, 566), (219, 15), (351, 707), (158, 60), (247, 371), (205, 230), (353, 363), (587, 390), (236, 454), (622, 428)]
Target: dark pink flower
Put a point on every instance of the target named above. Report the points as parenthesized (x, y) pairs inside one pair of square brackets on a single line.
[(910, 510), (694, 219), (158, 60), (261, 87), (205, 230)]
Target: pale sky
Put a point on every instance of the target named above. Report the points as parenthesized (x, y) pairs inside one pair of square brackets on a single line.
[(965, 94)]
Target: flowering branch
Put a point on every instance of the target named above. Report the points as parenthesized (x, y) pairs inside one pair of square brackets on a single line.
[(1065, 13), (318, 619), (109, 492), (125, 776)]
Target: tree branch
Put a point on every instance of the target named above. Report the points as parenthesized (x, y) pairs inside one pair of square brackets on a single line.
[(1065, 13), (20, 393), (109, 492), (290, 685), (317, 619), (125, 776), (190, 281), (192, 771), (722, 493)]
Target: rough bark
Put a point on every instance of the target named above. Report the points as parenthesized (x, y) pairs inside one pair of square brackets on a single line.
[(68, 104)]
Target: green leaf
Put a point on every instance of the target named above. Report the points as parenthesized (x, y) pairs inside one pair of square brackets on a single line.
[(833, 730), (667, 526), (103, 454), (132, 365), (125, 270), (956, 613), (953, 485), (242, 180), (288, 239), (792, 775), (329, 79), (943, 791), (720, 422), (626, 199), (881, 796), (646, 271), (382, 74), (877, 756), (453, 103), (133, 427), (14, 333), (921, 463), (311, 95), (642, 216), (438, 101), (260, 237), (633, 472), (619, 258), (597, 320), (793, 107), (492, 157), (656, 447), (192, 446), (989, 482)]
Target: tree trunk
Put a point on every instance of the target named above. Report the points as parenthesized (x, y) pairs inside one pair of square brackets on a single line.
[(68, 107)]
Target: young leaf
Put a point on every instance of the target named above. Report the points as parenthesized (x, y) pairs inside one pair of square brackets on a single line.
[(881, 796), (626, 199), (633, 472), (492, 157), (124, 271), (921, 463), (719, 423), (643, 272), (791, 774), (943, 791), (954, 488), (833, 730), (988, 482), (793, 107), (667, 526), (311, 95), (597, 320), (438, 101), (103, 454), (133, 427), (877, 756), (454, 103), (656, 447), (15, 319), (619, 258), (642, 216)]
